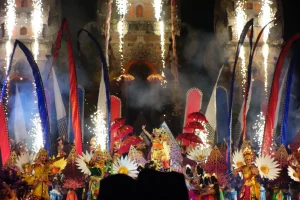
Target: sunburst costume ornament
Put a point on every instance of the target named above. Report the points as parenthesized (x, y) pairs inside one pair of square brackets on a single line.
[(198, 154), (268, 168), (293, 174), (125, 165), (238, 159), (24, 165), (93, 165)]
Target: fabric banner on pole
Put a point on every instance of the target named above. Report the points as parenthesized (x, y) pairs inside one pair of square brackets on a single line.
[(116, 107), (193, 103), (61, 115), (19, 121), (211, 111), (273, 101), (81, 93)]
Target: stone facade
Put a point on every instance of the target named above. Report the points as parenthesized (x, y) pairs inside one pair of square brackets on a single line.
[(142, 40), (224, 22), (23, 30)]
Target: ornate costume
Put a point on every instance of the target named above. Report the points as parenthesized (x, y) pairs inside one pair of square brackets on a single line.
[(42, 169), (250, 188)]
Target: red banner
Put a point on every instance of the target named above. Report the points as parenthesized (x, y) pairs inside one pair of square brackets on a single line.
[(193, 103), (116, 112), (269, 127), (116, 106), (4, 142), (73, 86)]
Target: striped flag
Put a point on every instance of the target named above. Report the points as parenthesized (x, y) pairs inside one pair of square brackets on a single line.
[(211, 111), (60, 108)]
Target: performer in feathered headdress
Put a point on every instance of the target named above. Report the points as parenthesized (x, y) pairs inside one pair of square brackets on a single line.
[(251, 188), (158, 150), (94, 165), (42, 168)]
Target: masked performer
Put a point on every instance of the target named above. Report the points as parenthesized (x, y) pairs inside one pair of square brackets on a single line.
[(158, 150), (250, 188)]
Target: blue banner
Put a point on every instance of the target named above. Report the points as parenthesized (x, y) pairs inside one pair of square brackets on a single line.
[(222, 114), (42, 103)]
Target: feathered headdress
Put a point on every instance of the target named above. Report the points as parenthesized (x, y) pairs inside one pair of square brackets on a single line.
[(247, 153), (41, 152)]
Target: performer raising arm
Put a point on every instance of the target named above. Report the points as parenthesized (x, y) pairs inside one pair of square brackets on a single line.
[(158, 152)]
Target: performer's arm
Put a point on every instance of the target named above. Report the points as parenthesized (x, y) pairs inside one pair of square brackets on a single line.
[(146, 132)]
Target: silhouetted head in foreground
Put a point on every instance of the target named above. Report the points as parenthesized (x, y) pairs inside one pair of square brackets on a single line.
[(118, 187), (154, 185)]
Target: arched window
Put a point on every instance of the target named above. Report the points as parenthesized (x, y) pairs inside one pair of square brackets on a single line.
[(24, 3), (23, 31), (139, 11)]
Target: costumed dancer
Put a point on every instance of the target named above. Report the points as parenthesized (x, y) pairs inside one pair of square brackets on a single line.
[(93, 165), (42, 169), (158, 151), (73, 177), (251, 187)]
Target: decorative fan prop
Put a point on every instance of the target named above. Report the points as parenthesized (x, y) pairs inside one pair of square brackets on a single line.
[(174, 149), (268, 168), (127, 143), (197, 116), (192, 126), (82, 160), (58, 166), (281, 156), (73, 176), (136, 156), (190, 138), (238, 159), (198, 154), (125, 165), (123, 131), (217, 164), (293, 174), (117, 123)]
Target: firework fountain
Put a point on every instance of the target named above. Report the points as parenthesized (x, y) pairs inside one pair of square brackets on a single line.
[(266, 15), (10, 22), (158, 12), (241, 19), (36, 132), (122, 8), (99, 129), (37, 25)]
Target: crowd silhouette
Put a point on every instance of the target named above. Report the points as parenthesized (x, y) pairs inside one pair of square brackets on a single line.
[(150, 185)]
